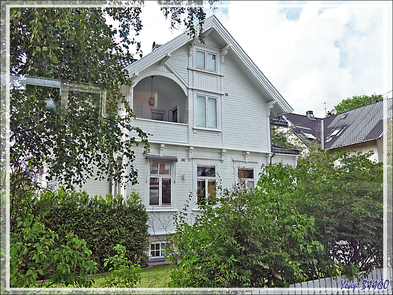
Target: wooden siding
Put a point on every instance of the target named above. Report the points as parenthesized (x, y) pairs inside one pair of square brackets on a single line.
[(205, 137), (184, 176), (206, 82), (164, 131), (244, 113), (179, 61)]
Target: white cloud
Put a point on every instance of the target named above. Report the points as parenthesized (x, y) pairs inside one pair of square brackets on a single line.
[(330, 52)]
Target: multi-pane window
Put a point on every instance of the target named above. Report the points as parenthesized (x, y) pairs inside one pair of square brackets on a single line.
[(157, 249), (206, 182), (246, 177), (206, 111), (160, 184), (206, 61)]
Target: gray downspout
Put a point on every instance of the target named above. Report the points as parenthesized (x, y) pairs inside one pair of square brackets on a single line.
[(271, 157)]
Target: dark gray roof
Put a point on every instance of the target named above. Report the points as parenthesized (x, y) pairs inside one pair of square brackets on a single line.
[(355, 126), (284, 150), (279, 121), (308, 130)]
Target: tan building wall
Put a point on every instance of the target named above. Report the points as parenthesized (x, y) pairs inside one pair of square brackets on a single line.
[(375, 146)]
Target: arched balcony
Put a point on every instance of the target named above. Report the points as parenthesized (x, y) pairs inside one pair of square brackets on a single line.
[(160, 98)]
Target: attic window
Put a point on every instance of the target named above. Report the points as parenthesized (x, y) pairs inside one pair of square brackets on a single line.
[(344, 116), (337, 131), (309, 135), (206, 61)]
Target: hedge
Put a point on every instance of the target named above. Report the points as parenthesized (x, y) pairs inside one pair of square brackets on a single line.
[(102, 222)]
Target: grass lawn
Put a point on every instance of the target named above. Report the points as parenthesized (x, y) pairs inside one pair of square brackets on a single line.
[(153, 277)]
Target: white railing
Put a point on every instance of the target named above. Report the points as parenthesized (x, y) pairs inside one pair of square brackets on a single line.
[(347, 286), (337, 285)]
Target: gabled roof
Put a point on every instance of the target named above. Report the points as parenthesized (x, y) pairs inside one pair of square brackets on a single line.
[(356, 126), (212, 24), (307, 129)]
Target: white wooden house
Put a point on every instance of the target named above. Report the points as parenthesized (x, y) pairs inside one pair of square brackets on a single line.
[(208, 108)]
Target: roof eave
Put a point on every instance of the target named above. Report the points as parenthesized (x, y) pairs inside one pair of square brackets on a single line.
[(280, 108)]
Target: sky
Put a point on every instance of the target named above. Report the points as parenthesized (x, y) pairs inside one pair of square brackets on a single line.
[(315, 53)]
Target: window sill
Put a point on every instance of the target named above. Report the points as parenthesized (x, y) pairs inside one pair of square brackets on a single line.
[(205, 72), (160, 209), (207, 129)]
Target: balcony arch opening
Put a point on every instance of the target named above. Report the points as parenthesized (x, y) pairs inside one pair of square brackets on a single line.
[(160, 98)]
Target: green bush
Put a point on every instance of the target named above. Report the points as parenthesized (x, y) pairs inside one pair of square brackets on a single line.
[(347, 204), (123, 273), (244, 239), (102, 222), (317, 220), (36, 254)]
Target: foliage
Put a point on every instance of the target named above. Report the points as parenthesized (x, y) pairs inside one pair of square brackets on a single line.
[(123, 273), (389, 145), (85, 129), (346, 201), (36, 254), (280, 138), (79, 47), (90, 124), (244, 239), (356, 101), (320, 219), (102, 222), (175, 9)]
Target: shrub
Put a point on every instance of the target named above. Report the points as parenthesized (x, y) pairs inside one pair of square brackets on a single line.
[(347, 204), (36, 254), (123, 273), (243, 239), (102, 222)]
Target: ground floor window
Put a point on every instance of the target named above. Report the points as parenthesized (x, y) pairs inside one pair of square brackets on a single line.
[(157, 249), (160, 184), (206, 182), (246, 177)]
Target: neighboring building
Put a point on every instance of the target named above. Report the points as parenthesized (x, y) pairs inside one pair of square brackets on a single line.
[(208, 108), (299, 130), (360, 129)]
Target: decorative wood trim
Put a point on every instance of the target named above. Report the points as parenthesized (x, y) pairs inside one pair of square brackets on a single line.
[(205, 72)]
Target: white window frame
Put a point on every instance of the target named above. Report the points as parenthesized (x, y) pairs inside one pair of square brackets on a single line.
[(161, 249), (206, 60), (206, 97), (160, 186), (206, 180)]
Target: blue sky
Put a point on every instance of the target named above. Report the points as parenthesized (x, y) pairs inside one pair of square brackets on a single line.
[(313, 52)]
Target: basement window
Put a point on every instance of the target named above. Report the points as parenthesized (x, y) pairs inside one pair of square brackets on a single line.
[(157, 249)]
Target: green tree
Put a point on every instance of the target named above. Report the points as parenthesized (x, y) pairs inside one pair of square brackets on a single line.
[(344, 192), (91, 126), (245, 238), (356, 101), (84, 129)]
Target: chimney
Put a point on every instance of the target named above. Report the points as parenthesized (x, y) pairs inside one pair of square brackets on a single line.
[(155, 46), (310, 115)]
